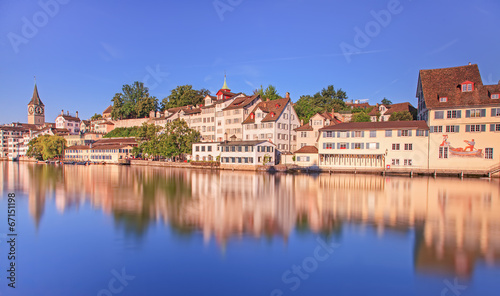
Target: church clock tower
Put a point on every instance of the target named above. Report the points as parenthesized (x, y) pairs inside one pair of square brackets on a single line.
[(36, 109)]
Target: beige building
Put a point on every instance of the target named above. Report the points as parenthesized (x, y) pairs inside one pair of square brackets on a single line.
[(394, 145), (247, 154), (463, 116), (105, 150), (274, 121), (69, 122), (383, 112), (307, 134)]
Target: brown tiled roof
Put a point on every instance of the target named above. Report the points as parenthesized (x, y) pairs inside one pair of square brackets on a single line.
[(378, 125), (35, 99), (307, 149), (108, 110), (70, 118), (252, 142), (241, 102), (447, 82), (399, 108), (305, 127), (114, 141), (374, 112), (13, 128), (230, 98), (192, 111), (275, 107)]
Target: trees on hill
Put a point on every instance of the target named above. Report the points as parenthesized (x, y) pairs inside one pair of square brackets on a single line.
[(133, 102), (325, 100), (386, 102), (401, 116), (269, 93), (184, 95), (360, 117), (46, 147), (96, 116)]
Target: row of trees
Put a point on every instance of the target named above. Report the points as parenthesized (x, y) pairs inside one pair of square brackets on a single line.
[(46, 147), (325, 100)]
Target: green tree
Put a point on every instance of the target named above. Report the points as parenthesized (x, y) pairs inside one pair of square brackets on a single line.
[(133, 102), (178, 139), (46, 147), (386, 102), (123, 132), (150, 139), (360, 117), (96, 116), (325, 100), (184, 95), (401, 116), (269, 93)]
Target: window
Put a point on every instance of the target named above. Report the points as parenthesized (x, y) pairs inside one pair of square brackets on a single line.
[(408, 162), (317, 122), (495, 112), (452, 128), (443, 152), (438, 114), (202, 148), (494, 127), (495, 96), (328, 145), (454, 114), (466, 87), (357, 146), (395, 161), (408, 147), (443, 99), (488, 153), (421, 133), (328, 134), (475, 128), (358, 134), (343, 145), (303, 134), (373, 134), (372, 146), (404, 133), (475, 113), (388, 133), (436, 129), (197, 148), (395, 147)]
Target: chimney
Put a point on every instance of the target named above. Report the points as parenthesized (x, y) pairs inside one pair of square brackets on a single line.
[(267, 100), (287, 95), (302, 122), (470, 63), (333, 111), (62, 112), (67, 113), (76, 114)]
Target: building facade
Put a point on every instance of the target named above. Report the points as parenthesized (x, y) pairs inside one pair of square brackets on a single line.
[(69, 122), (105, 150), (307, 134), (247, 154)]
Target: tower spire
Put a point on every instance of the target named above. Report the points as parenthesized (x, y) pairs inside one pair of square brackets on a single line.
[(225, 83)]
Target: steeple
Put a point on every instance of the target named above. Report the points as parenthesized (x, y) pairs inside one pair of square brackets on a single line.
[(225, 84), (35, 100)]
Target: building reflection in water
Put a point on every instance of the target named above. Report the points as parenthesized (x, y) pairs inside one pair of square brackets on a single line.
[(456, 222)]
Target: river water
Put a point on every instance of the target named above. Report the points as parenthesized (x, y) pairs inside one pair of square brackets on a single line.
[(119, 230)]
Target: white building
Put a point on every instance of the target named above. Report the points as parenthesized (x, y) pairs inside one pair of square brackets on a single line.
[(206, 151), (66, 121), (247, 153)]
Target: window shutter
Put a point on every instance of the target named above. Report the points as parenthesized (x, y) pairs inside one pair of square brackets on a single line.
[(352, 145), (483, 127), (363, 134), (362, 145), (378, 145), (492, 127), (324, 135), (399, 133), (333, 145), (483, 112), (338, 145), (410, 133), (352, 134), (493, 112), (333, 134), (459, 113), (426, 133), (324, 145), (338, 134), (348, 133), (467, 128), (457, 128), (467, 113)]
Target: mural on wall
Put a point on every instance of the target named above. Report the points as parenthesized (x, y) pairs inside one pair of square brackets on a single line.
[(468, 151)]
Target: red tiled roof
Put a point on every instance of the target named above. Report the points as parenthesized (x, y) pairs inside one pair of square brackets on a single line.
[(399, 108), (241, 102), (378, 125), (447, 82), (69, 117), (108, 110), (275, 107), (307, 149), (305, 127)]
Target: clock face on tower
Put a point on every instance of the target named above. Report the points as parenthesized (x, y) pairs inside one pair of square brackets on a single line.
[(39, 110), (30, 110)]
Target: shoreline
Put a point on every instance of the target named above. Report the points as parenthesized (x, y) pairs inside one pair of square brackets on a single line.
[(293, 169)]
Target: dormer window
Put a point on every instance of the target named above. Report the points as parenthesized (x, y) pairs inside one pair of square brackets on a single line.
[(443, 99), (277, 105), (272, 114), (495, 96), (252, 116), (467, 86)]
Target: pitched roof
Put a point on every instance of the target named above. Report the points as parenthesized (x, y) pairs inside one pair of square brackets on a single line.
[(241, 102), (399, 108), (307, 149), (272, 108), (305, 127), (254, 142), (108, 110), (35, 99), (447, 82), (69, 117), (378, 125)]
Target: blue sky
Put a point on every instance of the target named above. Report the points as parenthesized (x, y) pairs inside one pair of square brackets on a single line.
[(82, 52)]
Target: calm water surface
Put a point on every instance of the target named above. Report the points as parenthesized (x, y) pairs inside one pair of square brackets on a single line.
[(111, 230)]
